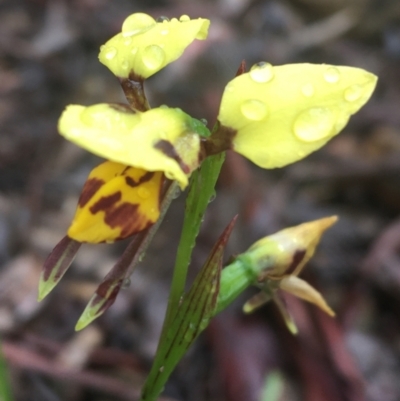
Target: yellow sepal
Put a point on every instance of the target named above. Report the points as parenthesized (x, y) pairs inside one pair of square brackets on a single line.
[(281, 114), (160, 139), (145, 46), (116, 202)]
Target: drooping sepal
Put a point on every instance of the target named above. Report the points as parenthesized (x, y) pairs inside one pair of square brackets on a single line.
[(116, 202), (56, 264)]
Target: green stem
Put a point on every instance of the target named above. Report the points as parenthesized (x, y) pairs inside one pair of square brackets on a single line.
[(202, 189)]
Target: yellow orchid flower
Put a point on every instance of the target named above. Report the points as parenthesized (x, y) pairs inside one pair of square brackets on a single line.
[(161, 139), (144, 46), (275, 116), (116, 202)]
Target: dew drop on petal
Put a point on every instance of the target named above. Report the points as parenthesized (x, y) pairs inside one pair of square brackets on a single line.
[(162, 18), (153, 57), (137, 23), (110, 52), (261, 72), (143, 193), (127, 41), (353, 93), (308, 90), (125, 65), (134, 50), (254, 109), (184, 18), (332, 75), (164, 32), (314, 124)]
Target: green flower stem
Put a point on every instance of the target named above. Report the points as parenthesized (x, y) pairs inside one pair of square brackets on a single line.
[(202, 189)]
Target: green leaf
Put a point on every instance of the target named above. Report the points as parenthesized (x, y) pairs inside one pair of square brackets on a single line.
[(192, 317)]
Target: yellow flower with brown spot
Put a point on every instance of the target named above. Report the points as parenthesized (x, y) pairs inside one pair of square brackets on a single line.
[(161, 139), (144, 46), (116, 202), (275, 116)]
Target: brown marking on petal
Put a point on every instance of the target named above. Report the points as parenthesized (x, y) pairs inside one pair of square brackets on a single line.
[(102, 290), (144, 178), (127, 218), (168, 149), (92, 185), (296, 260), (219, 141), (105, 203)]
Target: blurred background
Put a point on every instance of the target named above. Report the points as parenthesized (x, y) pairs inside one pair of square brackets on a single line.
[(48, 59)]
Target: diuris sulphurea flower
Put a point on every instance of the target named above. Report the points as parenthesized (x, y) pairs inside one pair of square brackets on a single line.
[(273, 115)]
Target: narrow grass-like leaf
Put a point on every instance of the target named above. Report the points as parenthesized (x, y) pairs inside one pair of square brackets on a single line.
[(193, 315)]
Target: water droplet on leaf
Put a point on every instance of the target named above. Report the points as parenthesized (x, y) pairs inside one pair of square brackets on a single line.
[(153, 57), (308, 90), (332, 75), (254, 109), (261, 72), (314, 124)]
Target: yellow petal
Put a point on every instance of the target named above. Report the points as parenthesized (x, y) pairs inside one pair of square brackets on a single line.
[(303, 290), (144, 46), (117, 201), (281, 114), (160, 139)]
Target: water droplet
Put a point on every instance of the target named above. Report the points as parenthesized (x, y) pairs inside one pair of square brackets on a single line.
[(164, 32), (126, 283), (134, 50), (204, 323), (314, 124), (143, 193), (124, 65), (261, 72), (127, 41), (161, 369), (230, 88), (153, 57), (110, 52), (353, 93), (212, 197), (204, 121), (332, 75), (137, 23), (254, 109), (174, 20), (162, 18), (308, 90), (184, 18), (176, 193)]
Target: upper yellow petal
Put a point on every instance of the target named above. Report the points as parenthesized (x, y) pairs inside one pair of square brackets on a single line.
[(144, 46), (160, 139), (281, 114)]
